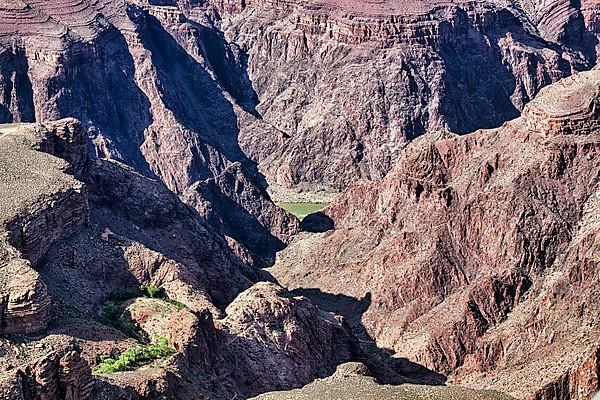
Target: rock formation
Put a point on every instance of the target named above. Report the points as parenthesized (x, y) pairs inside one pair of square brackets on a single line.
[(41, 203), (59, 375), (314, 94), (347, 84), (351, 381), (472, 257), (93, 243), (140, 77), (475, 255)]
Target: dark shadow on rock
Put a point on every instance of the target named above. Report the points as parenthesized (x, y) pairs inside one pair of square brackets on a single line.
[(98, 88), (386, 368), (576, 36), (191, 93), (316, 223), (144, 210), (17, 102), (479, 86), (198, 103), (230, 65), (221, 200)]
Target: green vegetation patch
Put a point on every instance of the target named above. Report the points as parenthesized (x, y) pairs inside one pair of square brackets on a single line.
[(135, 357), (112, 315), (157, 292), (112, 310), (301, 210)]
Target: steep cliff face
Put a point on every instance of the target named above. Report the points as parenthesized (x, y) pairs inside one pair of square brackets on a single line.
[(59, 375), (41, 204), (591, 13), (475, 255), (92, 243), (317, 93), (345, 85), (150, 86)]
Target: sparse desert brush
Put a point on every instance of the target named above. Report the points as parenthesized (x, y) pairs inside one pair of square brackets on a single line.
[(152, 291), (135, 357)]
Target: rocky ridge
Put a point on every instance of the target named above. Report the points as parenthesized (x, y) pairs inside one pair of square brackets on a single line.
[(41, 204), (225, 321), (313, 94), (475, 255), (347, 85), (351, 381), (142, 80)]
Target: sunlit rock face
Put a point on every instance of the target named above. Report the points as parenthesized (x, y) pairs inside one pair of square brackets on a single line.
[(346, 84), (156, 87), (314, 94), (476, 255)]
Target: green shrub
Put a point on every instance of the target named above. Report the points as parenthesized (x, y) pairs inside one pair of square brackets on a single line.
[(180, 306), (112, 315), (152, 291), (135, 357)]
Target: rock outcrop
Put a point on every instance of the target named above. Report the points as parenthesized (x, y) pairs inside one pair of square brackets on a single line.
[(95, 248), (352, 382), (150, 85), (345, 85), (41, 204), (276, 340), (475, 254), (59, 375), (314, 94), (25, 303), (269, 340)]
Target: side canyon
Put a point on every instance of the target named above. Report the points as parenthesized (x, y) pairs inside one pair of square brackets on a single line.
[(144, 145)]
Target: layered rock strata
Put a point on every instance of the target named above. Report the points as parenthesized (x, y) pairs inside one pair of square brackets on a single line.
[(345, 85), (149, 84), (224, 319), (314, 94), (42, 203), (475, 255)]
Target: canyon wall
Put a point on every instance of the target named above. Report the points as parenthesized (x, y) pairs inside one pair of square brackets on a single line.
[(314, 95), (80, 245), (475, 256), (150, 87), (344, 86)]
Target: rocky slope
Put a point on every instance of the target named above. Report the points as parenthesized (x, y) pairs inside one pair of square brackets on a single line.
[(346, 84), (147, 219), (41, 204), (97, 238), (351, 381), (314, 94), (476, 256), (144, 81)]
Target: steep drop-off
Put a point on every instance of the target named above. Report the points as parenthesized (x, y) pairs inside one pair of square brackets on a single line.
[(144, 81), (345, 85), (476, 256), (77, 248)]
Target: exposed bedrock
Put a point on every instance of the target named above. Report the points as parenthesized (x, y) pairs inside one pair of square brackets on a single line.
[(58, 375), (317, 93), (233, 335), (41, 204), (343, 86), (155, 89), (475, 254), (42, 201), (24, 300), (269, 340)]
